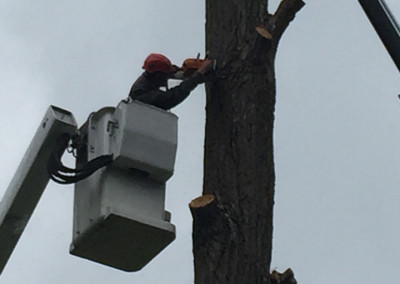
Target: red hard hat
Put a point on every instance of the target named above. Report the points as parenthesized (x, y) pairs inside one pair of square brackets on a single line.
[(157, 62)]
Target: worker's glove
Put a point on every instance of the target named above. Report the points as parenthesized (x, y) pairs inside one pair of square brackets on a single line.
[(206, 67)]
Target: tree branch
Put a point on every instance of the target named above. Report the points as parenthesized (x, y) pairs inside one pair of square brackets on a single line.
[(275, 26), (284, 15)]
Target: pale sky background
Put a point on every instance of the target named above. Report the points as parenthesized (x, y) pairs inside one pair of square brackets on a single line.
[(336, 138)]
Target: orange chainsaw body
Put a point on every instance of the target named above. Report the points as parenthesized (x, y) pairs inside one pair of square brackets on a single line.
[(190, 65)]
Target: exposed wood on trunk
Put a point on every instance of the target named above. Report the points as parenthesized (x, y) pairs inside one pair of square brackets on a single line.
[(264, 32), (232, 233)]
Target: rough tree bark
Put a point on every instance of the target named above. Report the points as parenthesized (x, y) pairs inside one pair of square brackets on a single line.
[(232, 221)]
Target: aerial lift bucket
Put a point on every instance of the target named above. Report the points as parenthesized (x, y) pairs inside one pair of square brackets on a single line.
[(119, 215)]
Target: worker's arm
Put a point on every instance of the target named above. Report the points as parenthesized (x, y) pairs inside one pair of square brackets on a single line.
[(174, 96), (170, 98)]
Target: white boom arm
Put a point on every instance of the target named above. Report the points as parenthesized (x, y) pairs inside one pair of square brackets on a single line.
[(30, 180)]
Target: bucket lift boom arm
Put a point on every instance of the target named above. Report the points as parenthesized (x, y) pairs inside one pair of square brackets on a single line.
[(385, 25), (30, 179)]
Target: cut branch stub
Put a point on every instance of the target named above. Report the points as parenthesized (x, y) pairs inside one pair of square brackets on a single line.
[(202, 201), (202, 207), (264, 32), (207, 219), (286, 277)]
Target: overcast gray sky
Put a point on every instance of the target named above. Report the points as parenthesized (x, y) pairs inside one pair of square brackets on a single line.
[(336, 134)]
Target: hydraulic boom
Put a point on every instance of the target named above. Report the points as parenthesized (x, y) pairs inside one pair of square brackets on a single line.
[(385, 25)]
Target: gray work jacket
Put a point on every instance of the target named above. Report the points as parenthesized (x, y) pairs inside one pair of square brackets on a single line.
[(146, 91)]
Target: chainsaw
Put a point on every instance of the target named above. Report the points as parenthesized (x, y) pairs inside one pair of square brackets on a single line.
[(190, 66)]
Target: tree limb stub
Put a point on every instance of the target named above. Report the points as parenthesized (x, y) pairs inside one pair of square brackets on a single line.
[(201, 206), (286, 277), (207, 220), (205, 211)]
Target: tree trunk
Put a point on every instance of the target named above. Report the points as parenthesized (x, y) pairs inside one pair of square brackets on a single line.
[(232, 221)]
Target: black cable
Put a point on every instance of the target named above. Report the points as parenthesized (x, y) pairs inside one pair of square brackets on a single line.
[(65, 175), (84, 172)]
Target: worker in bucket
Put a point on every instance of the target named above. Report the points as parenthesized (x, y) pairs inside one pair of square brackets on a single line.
[(157, 70)]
